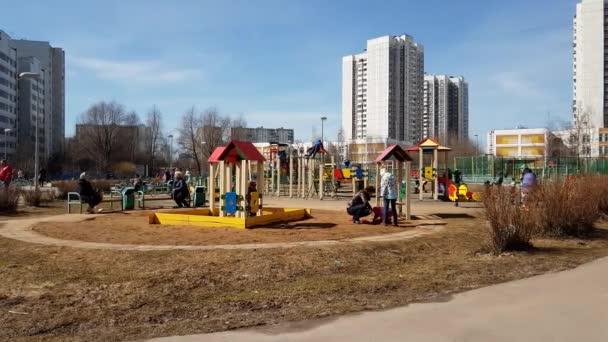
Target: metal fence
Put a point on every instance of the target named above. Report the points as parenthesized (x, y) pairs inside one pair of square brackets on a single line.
[(488, 168)]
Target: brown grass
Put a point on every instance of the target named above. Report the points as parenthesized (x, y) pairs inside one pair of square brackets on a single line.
[(97, 295)]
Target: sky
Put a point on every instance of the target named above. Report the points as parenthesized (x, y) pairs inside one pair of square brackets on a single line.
[(278, 63)]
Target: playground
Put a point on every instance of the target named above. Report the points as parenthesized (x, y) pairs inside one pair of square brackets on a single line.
[(155, 271)]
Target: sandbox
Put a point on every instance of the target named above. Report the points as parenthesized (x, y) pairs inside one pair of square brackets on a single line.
[(206, 217), (133, 228)]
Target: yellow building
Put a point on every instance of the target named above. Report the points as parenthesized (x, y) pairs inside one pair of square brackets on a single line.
[(518, 143)]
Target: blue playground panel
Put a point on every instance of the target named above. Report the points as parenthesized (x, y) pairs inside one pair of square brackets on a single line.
[(231, 202)]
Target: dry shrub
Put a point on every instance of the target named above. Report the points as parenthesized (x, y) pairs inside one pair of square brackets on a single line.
[(124, 168), (63, 187), (9, 200), (601, 185), (510, 226), (36, 198), (102, 185), (566, 207)]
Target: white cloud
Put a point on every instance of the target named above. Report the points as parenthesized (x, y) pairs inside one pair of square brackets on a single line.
[(149, 72)]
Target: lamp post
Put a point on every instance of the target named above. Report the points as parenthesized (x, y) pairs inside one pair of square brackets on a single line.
[(6, 132), (170, 151), (34, 76)]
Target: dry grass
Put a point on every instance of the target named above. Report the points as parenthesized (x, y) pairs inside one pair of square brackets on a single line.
[(96, 295), (567, 208), (510, 227), (9, 199)]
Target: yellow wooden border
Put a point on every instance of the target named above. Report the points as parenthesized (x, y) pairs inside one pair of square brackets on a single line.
[(202, 218)]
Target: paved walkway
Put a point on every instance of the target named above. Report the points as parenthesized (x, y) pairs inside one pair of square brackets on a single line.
[(22, 230), (565, 306)]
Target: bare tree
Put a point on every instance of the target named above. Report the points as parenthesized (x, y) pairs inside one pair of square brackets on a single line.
[(153, 135), (238, 128), (215, 130), (100, 126), (579, 138), (190, 139)]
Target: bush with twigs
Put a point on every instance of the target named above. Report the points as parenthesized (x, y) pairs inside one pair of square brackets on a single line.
[(567, 207), (9, 200), (509, 226), (37, 198)]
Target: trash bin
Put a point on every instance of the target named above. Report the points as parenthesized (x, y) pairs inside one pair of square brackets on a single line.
[(128, 198), (199, 196)]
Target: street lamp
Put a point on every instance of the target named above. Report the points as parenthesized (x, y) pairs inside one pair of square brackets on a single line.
[(477, 144), (34, 76), (6, 132), (170, 151)]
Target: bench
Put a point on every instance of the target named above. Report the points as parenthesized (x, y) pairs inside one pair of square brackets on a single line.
[(74, 198)]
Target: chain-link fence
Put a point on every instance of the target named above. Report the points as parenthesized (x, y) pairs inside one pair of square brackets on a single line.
[(488, 168)]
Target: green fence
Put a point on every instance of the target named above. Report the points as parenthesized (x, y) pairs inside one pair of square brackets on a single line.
[(488, 168)]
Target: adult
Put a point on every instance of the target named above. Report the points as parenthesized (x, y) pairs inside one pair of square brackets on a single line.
[(88, 194), (6, 173), (388, 191), (528, 181), (138, 182), (42, 177), (181, 193), (359, 206), (187, 177)]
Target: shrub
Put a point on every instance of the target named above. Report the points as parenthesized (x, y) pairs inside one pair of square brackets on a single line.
[(63, 187), (36, 198), (509, 226), (566, 208), (9, 200), (103, 185)]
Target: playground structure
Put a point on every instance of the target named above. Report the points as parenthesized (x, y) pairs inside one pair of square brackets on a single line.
[(234, 201), (429, 173), (290, 173), (394, 158)]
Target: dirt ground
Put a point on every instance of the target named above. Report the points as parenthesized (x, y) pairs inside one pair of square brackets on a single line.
[(68, 294), (133, 228)]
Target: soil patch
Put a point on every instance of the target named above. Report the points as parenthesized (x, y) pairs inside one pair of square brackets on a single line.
[(52, 293), (133, 228)]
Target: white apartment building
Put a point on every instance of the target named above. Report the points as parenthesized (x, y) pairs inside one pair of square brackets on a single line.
[(382, 91), (52, 90), (445, 115), (8, 97), (590, 68)]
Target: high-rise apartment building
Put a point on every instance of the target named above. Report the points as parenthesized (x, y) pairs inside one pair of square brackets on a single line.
[(263, 135), (591, 62), (445, 114), (8, 97), (48, 99), (382, 92)]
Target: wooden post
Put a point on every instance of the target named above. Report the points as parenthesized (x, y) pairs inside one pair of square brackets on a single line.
[(321, 182), (222, 186), (244, 188), (311, 177), (272, 170), (420, 172), (399, 185), (435, 172), (408, 191), (211, 187), (260, 178), (333, 176), (354, 179), (278, 167), (290, 174), (378, 184)]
